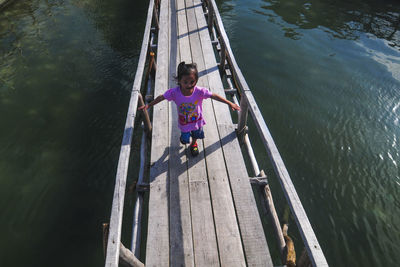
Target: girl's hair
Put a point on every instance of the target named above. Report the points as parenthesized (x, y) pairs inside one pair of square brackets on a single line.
[(187, 69)]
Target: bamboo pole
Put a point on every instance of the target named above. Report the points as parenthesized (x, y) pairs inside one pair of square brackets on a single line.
[(151, 69), (113, 245), (243, 114), (274, 216), (137, 214), (253, 159), (146, 120)]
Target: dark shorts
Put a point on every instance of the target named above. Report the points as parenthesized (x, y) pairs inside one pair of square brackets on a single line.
[(196, 134)]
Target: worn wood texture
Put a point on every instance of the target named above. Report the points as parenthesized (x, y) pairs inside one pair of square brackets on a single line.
[(229, 243), (181, 243), (114, 239), (157, 251), (211, 220), (255, 244), (253, 238), (183, 33), (205, 242)]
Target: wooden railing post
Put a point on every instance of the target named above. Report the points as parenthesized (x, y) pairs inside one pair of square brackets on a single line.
[(210, 15), (146, 120), (223, 57), (243, 114), (155, 15), (152, 68)]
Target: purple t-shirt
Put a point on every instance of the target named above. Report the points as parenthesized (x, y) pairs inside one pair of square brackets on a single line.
[(190, 108)]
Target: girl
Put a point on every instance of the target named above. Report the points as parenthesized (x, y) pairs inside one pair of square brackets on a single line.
[(189, 99)]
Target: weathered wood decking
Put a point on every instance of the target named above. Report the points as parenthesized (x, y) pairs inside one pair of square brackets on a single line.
[(202, 210)]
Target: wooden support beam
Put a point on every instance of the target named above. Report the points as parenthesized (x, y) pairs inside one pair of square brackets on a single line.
[(222, 57), (230, 91), (252, 156), (260, 181), (269, 204), (274, 218), (155, 16), (210, 17), (126, 257), (157, 248), (242, 121), (113, 248), (146, 120)]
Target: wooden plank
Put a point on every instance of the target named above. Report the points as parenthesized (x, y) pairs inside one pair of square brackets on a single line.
[(228, 235), (211, 67), (181, 243), (157, 251), (254, 242), (183, 35), (114, 238), (204, 237), (253, 237)]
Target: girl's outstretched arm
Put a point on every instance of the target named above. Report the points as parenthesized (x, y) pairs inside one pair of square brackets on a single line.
[(152, 103), (226, 101)]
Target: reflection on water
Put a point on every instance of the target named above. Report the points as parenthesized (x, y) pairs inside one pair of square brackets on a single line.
[(66, 69), (326, 75), (344, 19)]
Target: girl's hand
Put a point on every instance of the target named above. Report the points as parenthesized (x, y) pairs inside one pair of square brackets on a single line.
[(145, 107), (234, 106)]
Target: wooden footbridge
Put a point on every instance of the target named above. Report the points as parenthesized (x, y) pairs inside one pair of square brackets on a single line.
[(201, 210)]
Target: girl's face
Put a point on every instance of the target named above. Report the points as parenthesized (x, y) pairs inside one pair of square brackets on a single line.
[(188, 82)]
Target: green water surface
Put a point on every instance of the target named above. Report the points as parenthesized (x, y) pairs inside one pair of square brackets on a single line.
[(66, 70), (326, 76)]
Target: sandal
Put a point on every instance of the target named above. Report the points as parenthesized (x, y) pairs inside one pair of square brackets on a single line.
[(194, 149)]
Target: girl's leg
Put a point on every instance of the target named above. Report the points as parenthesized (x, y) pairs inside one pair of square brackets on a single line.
[(193, 141), (198, 134), (185, 138)]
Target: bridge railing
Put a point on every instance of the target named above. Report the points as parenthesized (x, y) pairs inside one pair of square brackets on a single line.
[(114, 250), (248, 103)]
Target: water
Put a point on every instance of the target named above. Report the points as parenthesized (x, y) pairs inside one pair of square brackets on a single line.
[(66, 69), (326, 75)]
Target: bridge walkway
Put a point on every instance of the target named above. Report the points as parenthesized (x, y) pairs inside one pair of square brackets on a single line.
[(202, 210)]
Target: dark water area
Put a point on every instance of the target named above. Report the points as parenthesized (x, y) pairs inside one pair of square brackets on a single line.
[(326, 75), (66, 71)]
